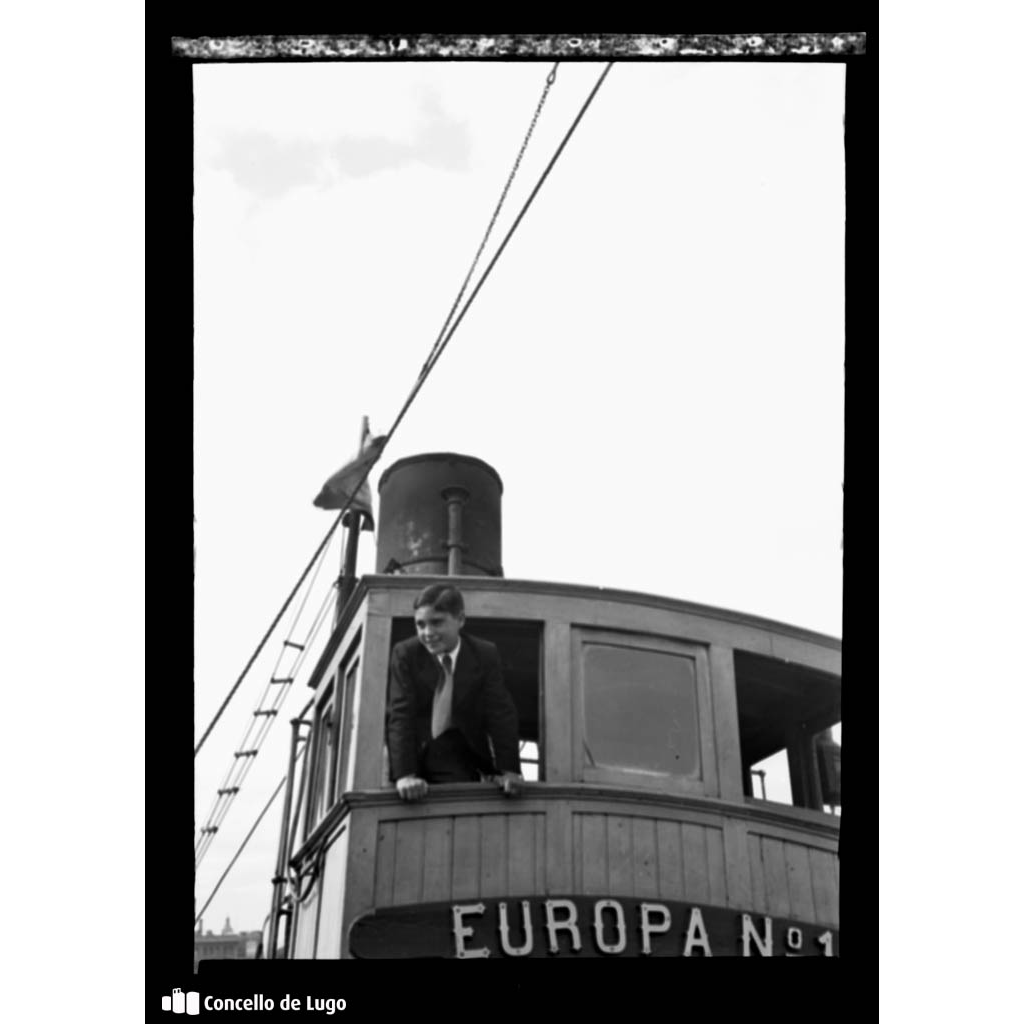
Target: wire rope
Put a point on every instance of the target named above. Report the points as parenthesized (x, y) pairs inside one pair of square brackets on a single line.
[(428, 366), (245, 842)]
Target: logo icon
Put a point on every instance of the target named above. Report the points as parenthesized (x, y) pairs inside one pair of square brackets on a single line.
[(181, 1002)]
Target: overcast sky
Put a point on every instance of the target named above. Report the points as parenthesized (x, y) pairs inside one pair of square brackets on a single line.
[(654, 367)]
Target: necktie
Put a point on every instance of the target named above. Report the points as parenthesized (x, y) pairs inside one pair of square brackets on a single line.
[(442, 714)]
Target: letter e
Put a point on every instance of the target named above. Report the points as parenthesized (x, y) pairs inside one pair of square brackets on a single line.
[(463, 931)]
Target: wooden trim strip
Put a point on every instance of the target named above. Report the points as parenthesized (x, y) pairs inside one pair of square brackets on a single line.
[(446, 800), (500, 583)]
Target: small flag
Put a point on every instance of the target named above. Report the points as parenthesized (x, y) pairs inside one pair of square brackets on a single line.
[(336, 492)]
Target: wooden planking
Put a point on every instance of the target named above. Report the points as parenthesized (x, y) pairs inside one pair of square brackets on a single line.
[(825, 887), (332, 902), (494, 855), (522, 855), (670, 860), (361, 870), (781, 832), (793, 880), (437, 860), (409, 840), (559, 858), (305, 928), (525, 854), (540, 847), (758, 897), (695, 864), (620, 855), (576, 849), (384, 876), (633, 855), (798, 874), (466, 858), (592, 853), (737, 863), (645, 858), (776, 880), (717, 891)]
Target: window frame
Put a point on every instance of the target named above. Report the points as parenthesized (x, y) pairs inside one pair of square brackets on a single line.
[(708, 782), (346, 683), (320, 771)]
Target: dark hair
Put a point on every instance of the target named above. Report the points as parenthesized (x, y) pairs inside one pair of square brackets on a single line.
[(442, 596)]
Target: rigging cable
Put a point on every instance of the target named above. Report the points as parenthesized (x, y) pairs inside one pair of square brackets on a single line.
[(435, 355), (250, 746), (549, 81), (321, 550), (245, 841)]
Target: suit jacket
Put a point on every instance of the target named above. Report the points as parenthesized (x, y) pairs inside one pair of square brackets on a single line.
[(482, 707)]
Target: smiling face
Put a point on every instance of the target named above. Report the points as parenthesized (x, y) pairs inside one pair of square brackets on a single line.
[(438, 631)]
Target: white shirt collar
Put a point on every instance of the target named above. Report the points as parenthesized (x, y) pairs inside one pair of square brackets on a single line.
[(453, 654)]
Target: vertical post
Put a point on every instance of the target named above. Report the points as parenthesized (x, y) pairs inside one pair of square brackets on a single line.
[(725, 711), (354, 522), (455, 497), (803, 773), (348, 566), (289, 931), (283, 846)]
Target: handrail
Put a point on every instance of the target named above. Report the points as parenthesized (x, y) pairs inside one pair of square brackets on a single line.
[(534, 794)]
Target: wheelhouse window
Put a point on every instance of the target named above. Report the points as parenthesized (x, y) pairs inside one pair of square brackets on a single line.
[(331, 739), (644, 712), (520, 645), (347, 676), (640, 710), (324, 735), (789, 729)]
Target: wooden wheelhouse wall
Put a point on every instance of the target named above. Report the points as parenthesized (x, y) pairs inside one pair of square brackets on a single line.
[(573, 832)]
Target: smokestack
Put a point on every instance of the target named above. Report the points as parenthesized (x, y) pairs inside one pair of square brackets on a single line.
[(440, 514)]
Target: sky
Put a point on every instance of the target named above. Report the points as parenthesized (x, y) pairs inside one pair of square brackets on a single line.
[(654, 367)]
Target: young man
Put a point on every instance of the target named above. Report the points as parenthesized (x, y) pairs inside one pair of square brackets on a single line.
[(448, 708)]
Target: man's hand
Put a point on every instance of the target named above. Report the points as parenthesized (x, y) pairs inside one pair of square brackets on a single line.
[(510, 783), (411, 788)]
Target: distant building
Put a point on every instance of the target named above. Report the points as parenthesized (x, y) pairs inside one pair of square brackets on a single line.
[(229, 945)]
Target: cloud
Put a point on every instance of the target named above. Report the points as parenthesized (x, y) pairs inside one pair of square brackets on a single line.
[(269, 166), (442, 142)]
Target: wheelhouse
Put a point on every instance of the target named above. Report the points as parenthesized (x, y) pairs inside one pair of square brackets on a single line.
[(641, 721)]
